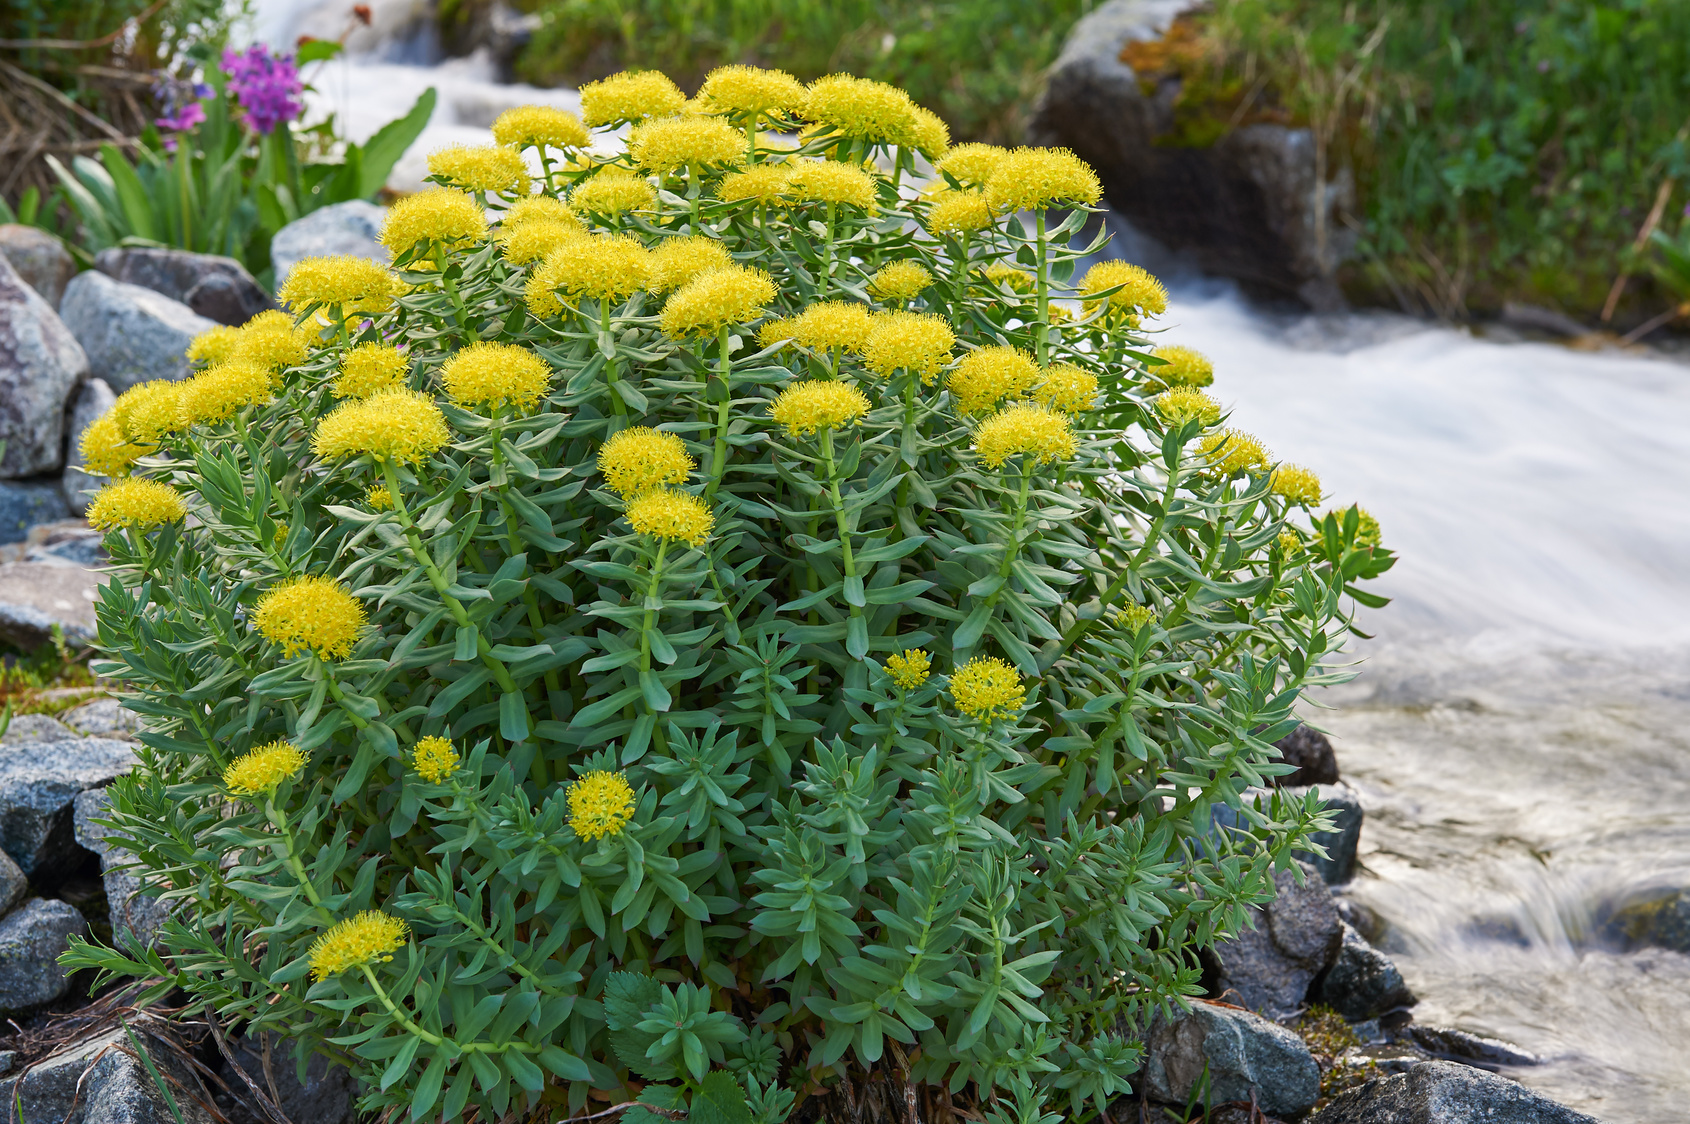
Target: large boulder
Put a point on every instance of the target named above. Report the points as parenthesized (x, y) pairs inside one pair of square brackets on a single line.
[(1445, 1093), (40, 259), (131, 334), (1237, 1052), (1246, 206), (343, 228), (104, 718), (35, 596), (93, 399), (39, 781), (1296, 937), (100, 1081), (133, 914), (32, 938), (1362, 983), (26, 503), (216, 287), (40, 365)]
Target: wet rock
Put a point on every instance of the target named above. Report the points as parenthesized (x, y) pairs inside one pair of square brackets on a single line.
[(99, 1082), (14, 887), (31, 939), (39, 781), (344, 228), (1343, 841), (103, 718), (1246, 206), (40, 364), (39, 258), (35, 596), (1297, 936), (1450, 1044), (216, 287), (1362, 982), (1661, 920), (326, 1095), (1310, 751), (1445, 1093), (131, 334), (93, 399), (133, 914), (1239, 1052), (1364, 918), (25, 503), (36, 728)]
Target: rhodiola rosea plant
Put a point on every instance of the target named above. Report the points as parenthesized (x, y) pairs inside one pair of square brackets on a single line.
[(729, 634)]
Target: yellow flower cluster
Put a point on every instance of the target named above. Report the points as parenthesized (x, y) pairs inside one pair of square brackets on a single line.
[(1031, 179), (929, 135), (271, 340), (532, 240), (739, 91), (1067, 388), (989, 375), (537, 208), (829, 181), (440, 215), (815, 404), (860, 108), (666, 513), (492, 375), (1296, 483), (604, 267), (716, 298), (310, 614), (910, 668), (613, 192), (959, 212), (987, 688), (378, 497), (637, 460), (1131, 618), (671, 144), (900, 281), (1036, 432), (434, 759), (919, 342), (678, 260), (971, 165), (1233, 451), (1181, 366), (1006, 276), (136, 503), (368, 938), (218, 393), (370, 367), (213, 346), (600, 805), (628, 96), (480, 168), (404, 426), (764, 183), (823, 327), (540, 126), (262, 770), (107, 451), (1184, 403), (1138, 293), (355, 284), (149, 410)]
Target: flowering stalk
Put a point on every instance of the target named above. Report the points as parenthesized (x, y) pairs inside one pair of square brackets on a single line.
[(1012, 549), (848, 566), (827, 251), (719, 454), (1042, 330), (653, 587), (459, 309), (617, 406)]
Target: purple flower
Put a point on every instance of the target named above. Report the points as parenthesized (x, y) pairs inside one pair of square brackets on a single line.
[(266, 86), (183, 119)]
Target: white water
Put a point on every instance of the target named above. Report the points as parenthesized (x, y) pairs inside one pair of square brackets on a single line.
[(1519, 728)]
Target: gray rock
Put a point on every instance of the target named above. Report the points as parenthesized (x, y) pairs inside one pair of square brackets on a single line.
[(40, 259), (1297, 936), (99, 1082), (35, 596), (31, 939), (1310, 751), (1450, 1044), (131, 334), (1238, 1051), (1445, 1093), (1248, 206), (40, 364), (93, 400), (25, 503), (83, 548), (103, 718), (1660, 920), (1362, 982), (36, 728), (39, 781), (216, 287), (1342, 842), (326, 1096), (14, 887), (344, 228), (133, 914)]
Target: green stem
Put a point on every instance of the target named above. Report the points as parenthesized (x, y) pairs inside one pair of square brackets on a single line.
[(847, 563), (459, 310), (827, 251), (1042, 331), (724, 370), (617, 406), (695, 191), (650, 617)]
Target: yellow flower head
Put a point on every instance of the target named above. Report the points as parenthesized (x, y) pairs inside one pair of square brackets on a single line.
[(600, 805), (764, 183), (909, 669), (537, 208), (1067, 388), (213, 346), (1367, 527), (831, 324), (959, 212), (989, 375), (1006, 276), (929, 135), (540, 126), (638, 460), (1031, 179), (900, 281), (434, 759), (612, 192), (480, 168), (805, 407), (271, 340), (496, 374), (370, 937), (671, 144), (972, 165), (862, 108), (1184, 403), (378, 497), (219, 393), (1131, 618), (678, 260), (1233, 451), (1296, 483), (137, 503), (605, 267), (829, 181), (310, 614), (715, 299), (262, 770), (665, 513), (534, 239), (106, 451), (147, 411), (920, 342), (1288, 543), (370, 367), (628, 97), (738, 91), (438, 215), (404, 426), (1140, 294), (986, 688), (1033, 431), (1181, 366), (353, 283)]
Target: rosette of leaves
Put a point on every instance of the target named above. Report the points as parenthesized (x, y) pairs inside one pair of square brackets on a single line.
[(705, 840)]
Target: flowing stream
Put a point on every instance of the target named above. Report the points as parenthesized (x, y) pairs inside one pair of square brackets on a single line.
[(1518, 728)]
